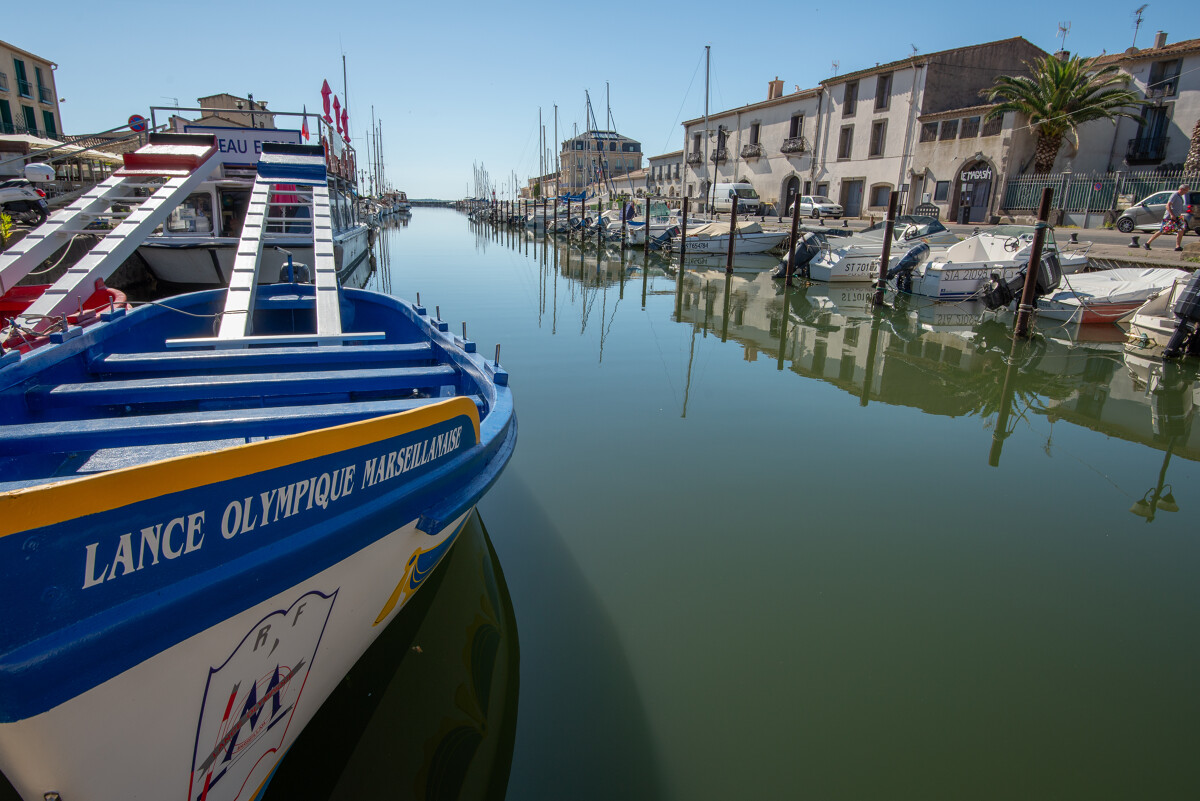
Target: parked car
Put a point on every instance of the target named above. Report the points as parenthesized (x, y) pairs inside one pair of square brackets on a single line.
[(818, 206), (1147, 214)]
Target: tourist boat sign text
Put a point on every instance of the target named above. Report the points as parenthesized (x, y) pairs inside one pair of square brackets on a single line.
[(243, 146)]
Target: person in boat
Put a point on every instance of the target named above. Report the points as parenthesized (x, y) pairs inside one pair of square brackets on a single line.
[(1173, 221), (203, 219)]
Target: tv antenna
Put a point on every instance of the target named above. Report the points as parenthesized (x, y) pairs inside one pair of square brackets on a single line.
[(835, 66), (1063, 29), (1138, 21), (168, 97)]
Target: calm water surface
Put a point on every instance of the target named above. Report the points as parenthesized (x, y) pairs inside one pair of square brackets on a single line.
[(774, 545)]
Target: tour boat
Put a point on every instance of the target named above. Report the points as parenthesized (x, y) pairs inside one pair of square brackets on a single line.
[(211, 505), (198, 241)]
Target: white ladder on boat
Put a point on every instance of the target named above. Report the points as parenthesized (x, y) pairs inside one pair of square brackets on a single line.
[(179, 161), (283, 170)]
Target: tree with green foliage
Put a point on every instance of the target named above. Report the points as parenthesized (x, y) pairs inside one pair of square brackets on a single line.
[(1060, 95)]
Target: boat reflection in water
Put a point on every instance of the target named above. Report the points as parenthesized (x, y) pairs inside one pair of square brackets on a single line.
[(954, 360), (430, 710)]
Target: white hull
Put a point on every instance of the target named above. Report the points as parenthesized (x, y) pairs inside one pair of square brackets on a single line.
[(742, 243), (208, 261), (175, 703)]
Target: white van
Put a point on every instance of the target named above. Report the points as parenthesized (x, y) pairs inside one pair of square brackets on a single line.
[(747, 198)]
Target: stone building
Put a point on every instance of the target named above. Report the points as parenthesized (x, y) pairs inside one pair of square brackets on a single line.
[(28, 96), (591, 156), (767, 144), (869, 123), (1167, 78), (664, 174)]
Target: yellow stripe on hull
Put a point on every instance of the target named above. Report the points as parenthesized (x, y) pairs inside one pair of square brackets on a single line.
[(47, 504)]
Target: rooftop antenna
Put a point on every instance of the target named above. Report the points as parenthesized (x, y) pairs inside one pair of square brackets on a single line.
[(168, 97), (914, 47), (835, 66), (1138, 21), (1063, 29)]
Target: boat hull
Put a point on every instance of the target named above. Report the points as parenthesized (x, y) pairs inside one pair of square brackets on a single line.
[(208, 261), (743, 243)]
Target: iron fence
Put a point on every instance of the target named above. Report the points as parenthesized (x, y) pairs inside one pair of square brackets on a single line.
[(1088, 191)]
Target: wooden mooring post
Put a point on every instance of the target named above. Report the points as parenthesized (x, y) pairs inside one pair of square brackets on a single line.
[(791, 267), (1025, 309), (886, 255), (732, 233)]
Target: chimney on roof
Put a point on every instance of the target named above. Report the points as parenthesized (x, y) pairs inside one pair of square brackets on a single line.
[(1063, 55), (1160, 40), (775, 89)]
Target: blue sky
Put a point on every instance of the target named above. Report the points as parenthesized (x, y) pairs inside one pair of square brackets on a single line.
[(458, 83)]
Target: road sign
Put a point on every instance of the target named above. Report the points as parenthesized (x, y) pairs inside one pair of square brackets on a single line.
[(137, 123)]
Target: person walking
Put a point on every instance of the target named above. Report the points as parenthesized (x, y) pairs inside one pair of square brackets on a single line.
[(1173, 221)]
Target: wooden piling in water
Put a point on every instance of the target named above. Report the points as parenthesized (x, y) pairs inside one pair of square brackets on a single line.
[(886, 255), (791, 266), (1025, 309), (732, 232), (646, 247)]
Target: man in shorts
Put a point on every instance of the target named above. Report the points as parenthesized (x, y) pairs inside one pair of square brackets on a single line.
[(1173, 221)]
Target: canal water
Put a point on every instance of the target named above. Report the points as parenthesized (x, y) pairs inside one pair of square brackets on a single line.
[(772, 544)]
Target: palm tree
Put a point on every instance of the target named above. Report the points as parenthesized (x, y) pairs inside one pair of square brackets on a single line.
[(1059, 96), (1192, 164)]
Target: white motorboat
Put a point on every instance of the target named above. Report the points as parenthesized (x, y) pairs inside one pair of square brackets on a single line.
[(1153, 324), (964, 270), (856, 257), (749, 237), (1109, 296)]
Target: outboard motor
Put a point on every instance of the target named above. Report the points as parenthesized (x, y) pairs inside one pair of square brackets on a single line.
[(1000, 293), (1187, 316), (805, 250), (903, 270)]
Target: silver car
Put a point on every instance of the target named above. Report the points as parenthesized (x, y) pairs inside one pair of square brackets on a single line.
[(818, 206), (1147, 215)]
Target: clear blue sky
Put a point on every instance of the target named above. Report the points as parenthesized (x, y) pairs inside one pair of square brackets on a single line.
[(461, 82)]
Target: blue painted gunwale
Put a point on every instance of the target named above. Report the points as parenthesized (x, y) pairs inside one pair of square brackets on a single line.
[(58, 639)]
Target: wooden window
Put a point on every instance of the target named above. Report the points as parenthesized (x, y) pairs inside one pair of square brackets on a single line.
[(797, 126), (754, 128), (970, 128), (941, 191), (929, 131), (992, 127), (845, 140), (883, 92), (880, 195), (949, 130), (850, 99), (878, 134)]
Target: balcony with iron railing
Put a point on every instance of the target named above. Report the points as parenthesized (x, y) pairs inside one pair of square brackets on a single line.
[(753, 151), (1146, 150), (695, 157), (44, 95), (24, 88), (14, 128), (719, 155), (794, 144)]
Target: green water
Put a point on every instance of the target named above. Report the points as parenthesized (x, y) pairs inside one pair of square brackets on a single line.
[(769, 545)]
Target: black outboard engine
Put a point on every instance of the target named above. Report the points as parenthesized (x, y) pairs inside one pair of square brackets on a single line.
[(1187, 315), (999, 293), (903, 270), (805, 250)]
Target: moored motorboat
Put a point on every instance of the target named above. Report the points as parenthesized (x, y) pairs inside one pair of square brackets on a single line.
[(211, 506), (856, 258), (748, 237), (1107, 296)]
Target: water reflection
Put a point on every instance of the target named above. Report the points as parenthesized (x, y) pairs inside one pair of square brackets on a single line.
[(946, 359), (430, 710)]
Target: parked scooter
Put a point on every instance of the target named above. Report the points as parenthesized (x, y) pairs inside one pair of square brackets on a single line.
[(24, 202)]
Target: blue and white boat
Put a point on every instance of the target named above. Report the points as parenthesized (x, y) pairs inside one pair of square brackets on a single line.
[(211, 505)]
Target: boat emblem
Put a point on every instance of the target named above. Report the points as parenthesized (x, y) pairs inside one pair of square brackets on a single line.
[(250, 699), (416, 570)]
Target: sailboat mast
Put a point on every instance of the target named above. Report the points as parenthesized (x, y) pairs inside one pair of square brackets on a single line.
[(557, 147), (707, 51)]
